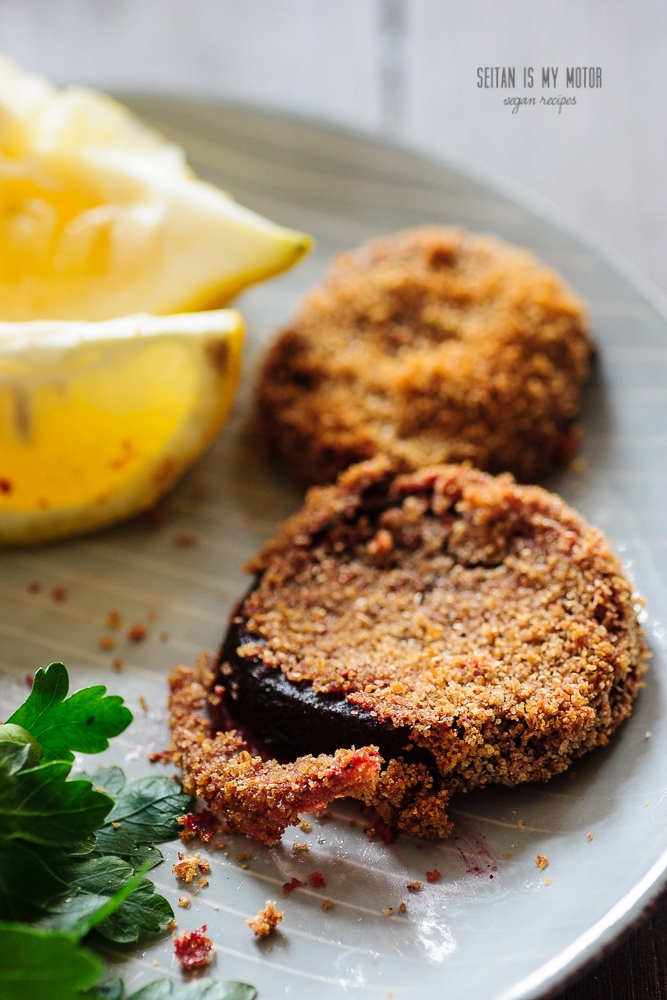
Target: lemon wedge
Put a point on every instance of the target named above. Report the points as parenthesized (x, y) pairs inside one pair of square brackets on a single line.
[(97, 420), (101, 217)]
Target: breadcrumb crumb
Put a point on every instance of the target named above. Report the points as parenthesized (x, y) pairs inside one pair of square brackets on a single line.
[(541, 861), (266, 920), (137, 632), (188, 865), (193, 949), (288, 887), (202, 824)]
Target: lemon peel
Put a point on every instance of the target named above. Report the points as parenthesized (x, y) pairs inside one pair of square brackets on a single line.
[(98, 420)]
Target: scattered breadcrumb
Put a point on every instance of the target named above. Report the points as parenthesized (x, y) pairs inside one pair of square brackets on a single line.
[(402, 908), (184, 901), (316, 879), (202, 824), (59, 594), (185, 539), (293, 883), (300, 847), (172, 925), (647, 735), (243, 857), (143, 703), (507, 854), (137, 632), (387, 911), (114, 619), (547, 881), (115, 825), (305, 826), (589, 837), (327, 904), (117, 665), (521, 824), (220, 846), (106, 642), (160, 757), (415, 886), (266, 920), (193, 949), (541, 861), (323, 815), (155, 962), (188, 865), (646, 802), (202, 882), (433, 876)]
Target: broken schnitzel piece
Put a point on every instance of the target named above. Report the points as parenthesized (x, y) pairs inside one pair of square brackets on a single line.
[(255, 796), (476, 631)]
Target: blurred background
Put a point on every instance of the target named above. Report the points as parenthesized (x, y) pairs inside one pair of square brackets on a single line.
[(407, 70)]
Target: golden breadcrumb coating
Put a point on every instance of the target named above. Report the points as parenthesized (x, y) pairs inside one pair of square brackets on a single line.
[(251, 795), (432, 345), (488, 617)]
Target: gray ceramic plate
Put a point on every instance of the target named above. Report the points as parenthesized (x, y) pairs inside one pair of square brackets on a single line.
[(491, 927)]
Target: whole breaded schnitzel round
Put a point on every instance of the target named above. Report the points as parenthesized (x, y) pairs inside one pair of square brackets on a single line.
[(432, 345), (472, 629)]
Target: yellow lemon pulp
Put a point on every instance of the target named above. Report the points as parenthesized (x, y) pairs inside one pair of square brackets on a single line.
[(97, 420), (101, 217)]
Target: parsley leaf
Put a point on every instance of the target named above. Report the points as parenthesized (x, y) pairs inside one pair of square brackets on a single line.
[(93, 881), (27, 884), (9, 733), (146, 810), (39, 805), (37, 965), (83, 722)]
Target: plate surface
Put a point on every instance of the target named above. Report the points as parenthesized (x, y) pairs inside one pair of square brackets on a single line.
[(490, 928)]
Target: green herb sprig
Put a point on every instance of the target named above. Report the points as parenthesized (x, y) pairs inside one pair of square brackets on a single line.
[(74, 850)]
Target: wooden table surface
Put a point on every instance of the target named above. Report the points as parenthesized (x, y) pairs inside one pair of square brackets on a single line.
[(635, 969)]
